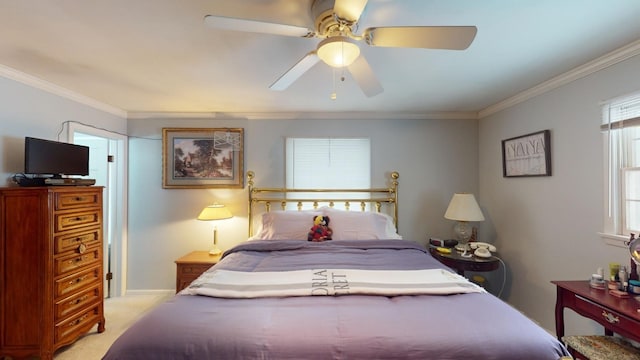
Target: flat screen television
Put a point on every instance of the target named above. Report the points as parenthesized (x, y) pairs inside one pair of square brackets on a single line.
[(46, 157)]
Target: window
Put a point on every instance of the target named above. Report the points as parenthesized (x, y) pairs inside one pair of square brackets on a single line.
[(328, 163), (621, 132)]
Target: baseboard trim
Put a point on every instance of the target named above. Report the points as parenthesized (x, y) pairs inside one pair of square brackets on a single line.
[(151, 292)]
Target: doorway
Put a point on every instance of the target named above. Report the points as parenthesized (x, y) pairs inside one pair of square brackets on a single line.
[(107, 165)]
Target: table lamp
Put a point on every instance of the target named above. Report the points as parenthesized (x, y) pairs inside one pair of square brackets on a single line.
[(463, 208), (212, 213)]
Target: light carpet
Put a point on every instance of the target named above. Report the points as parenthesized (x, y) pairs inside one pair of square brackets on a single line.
[(120, 313)]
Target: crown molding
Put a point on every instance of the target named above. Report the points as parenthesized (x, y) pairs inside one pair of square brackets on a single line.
[(364, 115), (38, 83), (589, 68)]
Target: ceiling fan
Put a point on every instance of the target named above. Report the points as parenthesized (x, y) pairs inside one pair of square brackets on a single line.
[(336, 22)]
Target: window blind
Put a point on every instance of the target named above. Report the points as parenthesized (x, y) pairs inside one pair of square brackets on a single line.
[(620, 113), (328, 163)]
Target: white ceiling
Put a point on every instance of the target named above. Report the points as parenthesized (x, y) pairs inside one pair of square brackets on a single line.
[(153, 56)]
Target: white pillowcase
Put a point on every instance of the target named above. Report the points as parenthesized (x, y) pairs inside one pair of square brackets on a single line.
[(346, 225), (360, 225), (286, 225)]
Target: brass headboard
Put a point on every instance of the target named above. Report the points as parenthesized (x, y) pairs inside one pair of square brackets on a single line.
[(363, 197)]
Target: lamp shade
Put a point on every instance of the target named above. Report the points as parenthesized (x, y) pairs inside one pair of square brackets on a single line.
[(338, 51), (464, 207), (215, 212)]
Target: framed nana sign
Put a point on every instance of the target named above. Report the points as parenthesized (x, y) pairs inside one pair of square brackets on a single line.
[(527, 155)]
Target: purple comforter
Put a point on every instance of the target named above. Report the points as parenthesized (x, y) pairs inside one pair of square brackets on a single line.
[(464, 326)]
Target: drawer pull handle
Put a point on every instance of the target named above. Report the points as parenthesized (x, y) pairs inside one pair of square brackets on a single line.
[(77, 321), (79, 300), (76, 281), (611, 319), (82, 248), (76, 260)]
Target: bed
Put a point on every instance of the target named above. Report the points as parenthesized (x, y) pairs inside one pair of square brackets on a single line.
[(365, 294)]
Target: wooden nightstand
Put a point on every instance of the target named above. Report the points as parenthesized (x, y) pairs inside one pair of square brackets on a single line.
[(192, 265), (462, 264)]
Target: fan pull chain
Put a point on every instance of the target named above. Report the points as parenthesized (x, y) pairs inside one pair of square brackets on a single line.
[(333, 95)]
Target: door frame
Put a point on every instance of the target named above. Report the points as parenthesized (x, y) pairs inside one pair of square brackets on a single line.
[(115, 200)]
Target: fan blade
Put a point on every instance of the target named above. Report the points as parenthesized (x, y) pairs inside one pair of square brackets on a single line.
[(295, 72), (363, 75), (349, 10), (427, 37), (226, 23)]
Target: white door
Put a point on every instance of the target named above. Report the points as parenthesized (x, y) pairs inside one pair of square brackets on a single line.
[(107, 165)]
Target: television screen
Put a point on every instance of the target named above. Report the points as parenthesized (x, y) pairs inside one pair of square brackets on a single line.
[(46, 157)]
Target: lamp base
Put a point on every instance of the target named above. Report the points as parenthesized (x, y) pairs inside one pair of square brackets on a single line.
[(462, 229), (463, 247), (215, 251)]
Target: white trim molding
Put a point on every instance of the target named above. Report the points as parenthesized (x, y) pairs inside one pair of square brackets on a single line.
[(365, 115), (589, 68), (161, 292), (614, 240), (52, 88)]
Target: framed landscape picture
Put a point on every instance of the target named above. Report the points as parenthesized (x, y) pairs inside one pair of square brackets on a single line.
[(202, 158), (527, 155)]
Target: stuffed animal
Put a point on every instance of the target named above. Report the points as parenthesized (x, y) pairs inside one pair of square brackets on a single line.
[(320, 230)]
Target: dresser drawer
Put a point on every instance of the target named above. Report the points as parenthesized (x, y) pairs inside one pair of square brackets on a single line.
[(76, 262), (186, 273), (72, 283), (73, 327), (74, 220), (78, 242), (77, 302), (193, 270), (612, 320), (65, 201)]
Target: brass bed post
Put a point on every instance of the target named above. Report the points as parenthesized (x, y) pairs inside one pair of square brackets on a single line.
[(250, 175), (394, 183)]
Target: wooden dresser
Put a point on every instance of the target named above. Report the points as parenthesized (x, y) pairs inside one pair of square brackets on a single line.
[(51, 282)]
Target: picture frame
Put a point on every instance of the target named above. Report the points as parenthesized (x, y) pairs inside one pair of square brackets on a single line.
[(527, 155), (197, 158)]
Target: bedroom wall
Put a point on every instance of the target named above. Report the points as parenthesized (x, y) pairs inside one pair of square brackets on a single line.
[(546, 228), (27, 111), (435, 158)]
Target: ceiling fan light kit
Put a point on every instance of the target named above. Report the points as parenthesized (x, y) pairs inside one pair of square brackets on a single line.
[(335, 22), (338, 51)]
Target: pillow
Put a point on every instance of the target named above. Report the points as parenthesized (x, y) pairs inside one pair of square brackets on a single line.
[(360, 225), (390, 230), (286, 225)]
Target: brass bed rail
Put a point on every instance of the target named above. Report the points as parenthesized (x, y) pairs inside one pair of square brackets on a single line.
[(377, 197)]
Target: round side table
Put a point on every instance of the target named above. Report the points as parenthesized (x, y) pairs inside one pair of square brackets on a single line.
[(461, 264)]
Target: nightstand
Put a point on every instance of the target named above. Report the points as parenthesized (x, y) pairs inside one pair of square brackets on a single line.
[(192, 265), (462, 264)]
